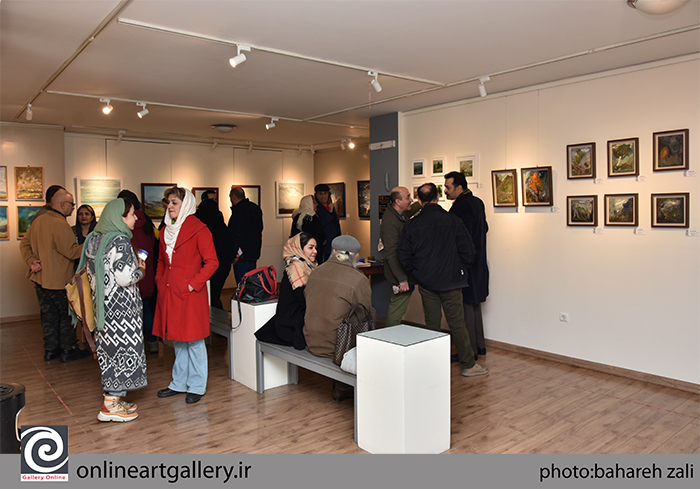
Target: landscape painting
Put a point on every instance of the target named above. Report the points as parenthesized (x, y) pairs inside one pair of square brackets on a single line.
[(152, 195), (288, 196), (363, 198), (582, 210), (621, 209), (670, 210), (418, 168), (29, 183), (623, 157), (438, 166), (671, 150), (505, 188), (537, 186), (96, 192), (580, 160), (25, 216), (4, 225), (3, 183), (468, 165)]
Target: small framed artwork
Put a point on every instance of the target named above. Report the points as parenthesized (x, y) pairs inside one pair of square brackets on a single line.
[(418, 168), (287, 196), (670, 210), (363, 199), (505, 188), (338, 198), (580, 161), (671, 150), (199, 191), (25, 216), (96, 192), (29, 183), (437, 166), (441, 191), (468, 165), (621, 209), (252, 193), (582, 210), (623, 157), (4, 224), (415, 191), (3, 183), (152, 195), (537, 186)]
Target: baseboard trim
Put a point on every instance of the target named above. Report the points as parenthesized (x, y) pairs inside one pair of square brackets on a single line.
[(16, 319)]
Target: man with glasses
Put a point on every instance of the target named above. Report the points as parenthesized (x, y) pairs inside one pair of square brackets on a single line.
[(49, 248)]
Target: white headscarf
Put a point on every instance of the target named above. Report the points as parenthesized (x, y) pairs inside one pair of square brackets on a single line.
[(306, 208), (172, 230)]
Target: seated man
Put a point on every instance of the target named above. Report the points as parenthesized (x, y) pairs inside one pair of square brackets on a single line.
[(330, 293)]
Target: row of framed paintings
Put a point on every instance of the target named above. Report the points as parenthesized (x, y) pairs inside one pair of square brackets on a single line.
[(468, 165), (536, 187), (25, 215), (670, 153), (667, 210)]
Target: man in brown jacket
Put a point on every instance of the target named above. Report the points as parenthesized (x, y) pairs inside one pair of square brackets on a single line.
[(49, 248)]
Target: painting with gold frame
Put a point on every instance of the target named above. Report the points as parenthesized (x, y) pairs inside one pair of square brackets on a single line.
[(29, 183), (505, 188), (3, 183)]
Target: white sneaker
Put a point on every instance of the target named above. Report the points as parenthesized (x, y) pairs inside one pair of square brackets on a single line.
[(475, 370)]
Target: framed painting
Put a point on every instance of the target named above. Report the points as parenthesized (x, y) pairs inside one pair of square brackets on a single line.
[(418, 168), (363, 199), (3, 183), (621, 209), (505, 188), (96, 192), (623, 157), (25, 216), (440, 191), (537, 186), (582, 210), (252, 193), (437, 166), (671, 150), (415, 191), (4, 224), (670, 210), (468, 165), (580, 161), (338, 198), (29, 183), (152, 198), (287, 196), (199, 191)]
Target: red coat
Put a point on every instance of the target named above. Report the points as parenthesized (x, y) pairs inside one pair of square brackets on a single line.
[(182, 314)]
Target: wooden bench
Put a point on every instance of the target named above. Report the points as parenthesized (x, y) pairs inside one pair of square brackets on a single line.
[(301, 358), (220, 323)]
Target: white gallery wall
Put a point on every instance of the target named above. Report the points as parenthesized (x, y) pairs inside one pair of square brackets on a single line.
[(633, 300)]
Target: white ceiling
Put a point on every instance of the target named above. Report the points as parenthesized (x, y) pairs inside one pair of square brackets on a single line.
[(427, 52)]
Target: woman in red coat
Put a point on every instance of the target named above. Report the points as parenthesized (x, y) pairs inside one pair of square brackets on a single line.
[(187, 259)]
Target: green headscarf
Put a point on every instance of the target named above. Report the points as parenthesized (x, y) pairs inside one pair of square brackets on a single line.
[(110, 225)]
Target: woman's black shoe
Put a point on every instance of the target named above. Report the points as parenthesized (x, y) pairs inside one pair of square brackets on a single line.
[(168, 392)]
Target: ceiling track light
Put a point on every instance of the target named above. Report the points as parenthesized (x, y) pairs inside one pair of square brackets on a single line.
[(216, 143), (375, 82), (656, 7), (342, 144), (313, 151), (250, 145), (482, 88), (29, 115), (107, 108), (272, 123), (351, 145), (240, 57), (142, 113), (121, 135)]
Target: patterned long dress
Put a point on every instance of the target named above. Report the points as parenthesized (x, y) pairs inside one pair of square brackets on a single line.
[(120, 344)]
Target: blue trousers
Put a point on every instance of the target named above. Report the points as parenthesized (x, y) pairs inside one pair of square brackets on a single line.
[(191, 367)]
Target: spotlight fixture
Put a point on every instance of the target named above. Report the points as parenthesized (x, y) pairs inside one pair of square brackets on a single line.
[(142, 113), (240, 57), (375, 83), (216, 143), (121, 135), (250, 145), (482, 88), (351, 145), (29, 115), (223, 128), (656, 7), (107, 108), (272, 122), (313, 151), (342, 144)]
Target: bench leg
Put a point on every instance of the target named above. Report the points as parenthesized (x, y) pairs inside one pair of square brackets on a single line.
[(292, 374), (259, 369), (355, 397)]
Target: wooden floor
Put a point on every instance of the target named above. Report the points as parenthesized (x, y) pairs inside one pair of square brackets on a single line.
[(525, 405)]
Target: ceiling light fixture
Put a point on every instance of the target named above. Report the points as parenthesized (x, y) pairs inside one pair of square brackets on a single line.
[(656, 7), (250, 145), (107, 108), (29, 115), (216, 143), (121, 135), (482, 88), (351, 145), (272, 122), (223, 128), (313, 151), (342, 144), (240, 57), (375, 83), (142, 113)]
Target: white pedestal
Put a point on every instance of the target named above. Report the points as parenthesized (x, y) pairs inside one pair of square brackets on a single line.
[(254, 317), (403, 390)]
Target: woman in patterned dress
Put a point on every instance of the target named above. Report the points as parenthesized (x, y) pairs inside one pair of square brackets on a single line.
[(114, 271)]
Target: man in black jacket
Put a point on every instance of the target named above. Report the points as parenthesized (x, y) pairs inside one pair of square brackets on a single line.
[(436, 249), (208, 212), (245, 226)]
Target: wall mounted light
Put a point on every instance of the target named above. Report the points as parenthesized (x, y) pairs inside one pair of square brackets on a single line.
[(375, 83), (482, 88), (240, 57), (142, 113), (656, 7), (272, 123), (107, 108), (29, 115)]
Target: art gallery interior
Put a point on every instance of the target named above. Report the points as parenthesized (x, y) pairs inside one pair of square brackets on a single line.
[(628, 294)]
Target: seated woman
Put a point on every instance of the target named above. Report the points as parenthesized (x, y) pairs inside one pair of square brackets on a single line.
[(286, 326)]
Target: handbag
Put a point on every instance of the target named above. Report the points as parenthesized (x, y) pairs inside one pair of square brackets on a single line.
[(82, 305), (258, 285), (348, 330)]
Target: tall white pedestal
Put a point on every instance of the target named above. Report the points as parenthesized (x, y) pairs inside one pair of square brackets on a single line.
[(403, 390), (254, 317)]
